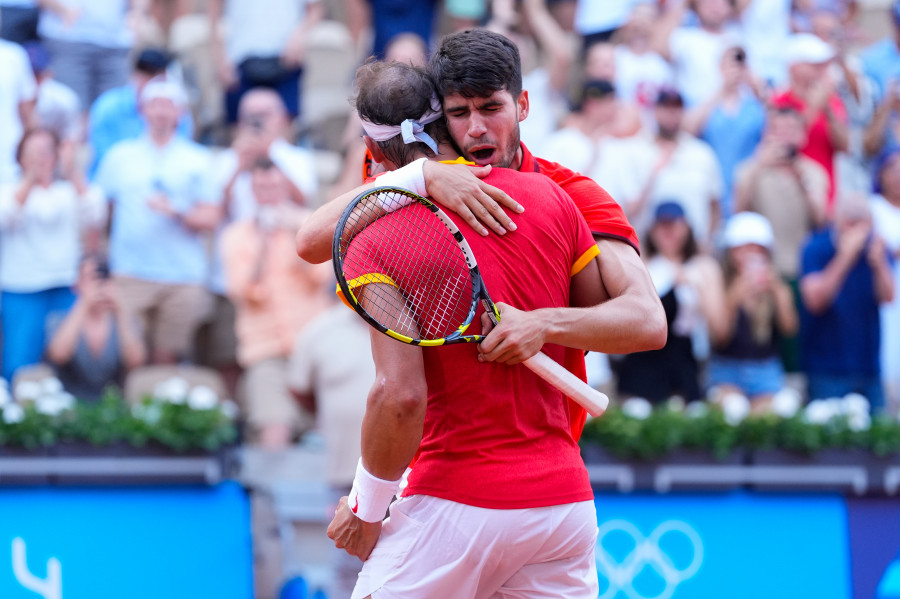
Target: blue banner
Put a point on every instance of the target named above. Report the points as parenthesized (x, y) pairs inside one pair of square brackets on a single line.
[(736, 545), (875, 547), (113, 543)]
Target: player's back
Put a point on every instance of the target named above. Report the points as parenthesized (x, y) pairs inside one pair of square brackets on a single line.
[(499, 436)]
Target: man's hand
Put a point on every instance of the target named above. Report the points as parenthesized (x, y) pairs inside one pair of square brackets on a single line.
[(351, 534), (852, 241), (519, 336), (159, 202), (459, 188)]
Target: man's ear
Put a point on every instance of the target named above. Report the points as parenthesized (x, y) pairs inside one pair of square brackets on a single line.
[(374, 149), (522, 105)]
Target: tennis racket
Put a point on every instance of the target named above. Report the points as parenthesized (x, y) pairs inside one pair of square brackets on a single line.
[(405, 267)]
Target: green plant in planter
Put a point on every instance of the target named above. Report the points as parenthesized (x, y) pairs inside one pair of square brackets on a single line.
[(665, 430), (179, 425)]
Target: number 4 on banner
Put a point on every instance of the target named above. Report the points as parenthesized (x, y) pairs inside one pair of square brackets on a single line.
[(49, 588)]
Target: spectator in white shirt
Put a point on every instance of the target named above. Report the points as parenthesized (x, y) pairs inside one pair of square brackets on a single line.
[(262, 133), (17, 95), (673, 165), (41, 225), (640, 70), (588, 144), (163, 203), (695, 52)]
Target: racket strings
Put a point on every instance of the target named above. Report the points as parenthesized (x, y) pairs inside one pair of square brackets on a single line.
[(432, 291)]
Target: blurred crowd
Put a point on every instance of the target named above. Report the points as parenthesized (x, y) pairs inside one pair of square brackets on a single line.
[(157, 157)]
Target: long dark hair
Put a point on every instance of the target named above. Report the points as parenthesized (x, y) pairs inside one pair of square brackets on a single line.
[(688, 250)]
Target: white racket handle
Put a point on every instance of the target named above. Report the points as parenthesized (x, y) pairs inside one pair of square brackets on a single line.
[(586, 396)]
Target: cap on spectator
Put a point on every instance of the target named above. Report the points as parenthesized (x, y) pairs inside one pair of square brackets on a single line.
[(668, 211), (669, 96), (38, 56), (807, 48), (164, 88), (152, 61), (748, 227), (597, 88)]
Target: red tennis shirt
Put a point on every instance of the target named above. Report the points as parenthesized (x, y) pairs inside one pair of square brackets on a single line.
[(499, 436)]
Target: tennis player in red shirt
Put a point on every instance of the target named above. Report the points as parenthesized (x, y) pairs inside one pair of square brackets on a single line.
[(498, 502), (478, 75)]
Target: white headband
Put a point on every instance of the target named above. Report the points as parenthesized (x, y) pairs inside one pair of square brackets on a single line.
[(411, 130)]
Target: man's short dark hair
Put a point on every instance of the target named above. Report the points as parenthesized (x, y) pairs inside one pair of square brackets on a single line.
[(388, 94), (476, 63)]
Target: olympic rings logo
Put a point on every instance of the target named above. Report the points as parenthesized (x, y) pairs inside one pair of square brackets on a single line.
[(646, 553)]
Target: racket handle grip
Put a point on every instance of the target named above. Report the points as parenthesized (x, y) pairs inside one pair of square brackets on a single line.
[(554, 373)]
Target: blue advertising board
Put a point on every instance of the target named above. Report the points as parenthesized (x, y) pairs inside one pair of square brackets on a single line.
[(139, 543), (875, 547), (737, 545)]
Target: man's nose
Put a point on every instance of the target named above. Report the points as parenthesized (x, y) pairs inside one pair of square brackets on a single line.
[(476, 126)]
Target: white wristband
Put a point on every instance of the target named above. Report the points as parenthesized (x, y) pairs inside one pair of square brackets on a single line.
[(410, 177), (370, 497)]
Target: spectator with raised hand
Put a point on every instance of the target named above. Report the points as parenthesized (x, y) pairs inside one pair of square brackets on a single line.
[(640, 72), (673, 165), (600, 64), (812, 92), (758, 310), (881, 60), (57, 107), (275, 296), (859, 95), (846, 276), (261, 47), (689, 285), (90, 42), (731, 121), (886, 220), (785, 186), (696, 51), (262, 133), (98, 341), (116, 115), (42, 219), (18, 92), (163, 205)]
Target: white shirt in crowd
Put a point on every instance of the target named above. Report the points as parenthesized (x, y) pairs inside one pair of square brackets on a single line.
[(59, 110), (333, 360), (144, 243), (17, 85), (297, 164), (601, 160), (640, 76), (595, 16), (696, 55), (766, 27), (100, 22), (546, 107), (40, 242), (253, 32), (691, 177)]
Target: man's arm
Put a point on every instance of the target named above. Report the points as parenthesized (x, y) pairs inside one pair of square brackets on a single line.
[(819, 289), (632, 320), (458, 188), (391, 433)]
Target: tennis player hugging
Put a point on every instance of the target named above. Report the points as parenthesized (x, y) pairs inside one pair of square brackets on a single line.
[(498, 501)]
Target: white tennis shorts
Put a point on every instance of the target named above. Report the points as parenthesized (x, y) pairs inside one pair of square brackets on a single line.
[(435, 548)]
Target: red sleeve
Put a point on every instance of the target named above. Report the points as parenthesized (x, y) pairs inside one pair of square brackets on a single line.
[(603, 215)]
